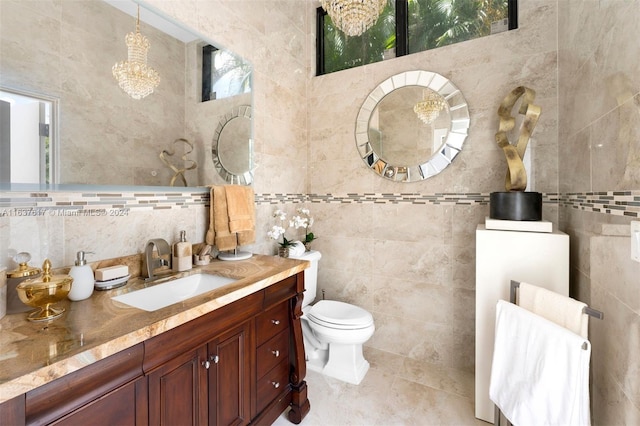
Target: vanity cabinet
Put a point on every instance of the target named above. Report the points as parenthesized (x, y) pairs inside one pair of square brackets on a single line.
[(111, 391), (239, 364), (272, 366), (208, 385), (12, 411)]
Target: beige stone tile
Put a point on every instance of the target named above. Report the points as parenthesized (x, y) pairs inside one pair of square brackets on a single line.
[(345, 286), (442, 408), (343, 220), (463, 267), (575, 162), (426, 302), (43, 237), (611, 406), (427, 260), (408, 222), (613, 270), (347, 254), (418, 340), (451, 380)]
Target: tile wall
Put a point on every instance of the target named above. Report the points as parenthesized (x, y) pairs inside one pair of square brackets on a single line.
[(413, 264), (599, 151)]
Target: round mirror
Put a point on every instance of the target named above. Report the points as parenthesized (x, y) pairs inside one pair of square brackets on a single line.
[(232, 147), (412, 126)]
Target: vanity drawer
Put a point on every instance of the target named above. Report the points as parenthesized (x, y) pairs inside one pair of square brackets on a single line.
[(272, 352), (273, 384), (272, 322)]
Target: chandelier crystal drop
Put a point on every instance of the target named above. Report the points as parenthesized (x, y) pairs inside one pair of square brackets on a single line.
[(134, 76), (429, 107), (353, 17)]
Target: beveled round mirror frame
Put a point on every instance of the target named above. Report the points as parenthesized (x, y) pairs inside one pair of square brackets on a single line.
[(440, 159), (246, 178)]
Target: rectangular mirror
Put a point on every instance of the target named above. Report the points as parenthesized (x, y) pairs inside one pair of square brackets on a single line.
[(61, 54)]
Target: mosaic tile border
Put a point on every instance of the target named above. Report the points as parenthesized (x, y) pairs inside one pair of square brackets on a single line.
[(618, 203), (96, 203)]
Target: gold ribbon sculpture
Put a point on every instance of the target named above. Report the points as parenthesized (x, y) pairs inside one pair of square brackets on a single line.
[(179, 172), (516, 179)]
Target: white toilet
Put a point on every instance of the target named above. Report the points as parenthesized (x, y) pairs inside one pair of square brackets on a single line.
[(333, 331)]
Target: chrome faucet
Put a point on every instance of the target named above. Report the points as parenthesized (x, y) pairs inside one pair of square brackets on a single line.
[(151, 263)]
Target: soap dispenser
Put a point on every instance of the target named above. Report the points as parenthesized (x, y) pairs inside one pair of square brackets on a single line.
[(182, 260), (83, 281)]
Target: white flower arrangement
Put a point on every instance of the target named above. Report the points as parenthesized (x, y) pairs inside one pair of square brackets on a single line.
[(278, 231), (302, 220)]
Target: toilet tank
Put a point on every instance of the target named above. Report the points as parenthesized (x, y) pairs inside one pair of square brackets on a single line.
[(310, 275)]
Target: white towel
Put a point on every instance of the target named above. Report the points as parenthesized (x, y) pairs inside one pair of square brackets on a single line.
[(540, 371), (555, 307)]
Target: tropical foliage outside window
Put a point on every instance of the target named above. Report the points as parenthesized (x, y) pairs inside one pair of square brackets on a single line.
[(223, 74), (410, 26)]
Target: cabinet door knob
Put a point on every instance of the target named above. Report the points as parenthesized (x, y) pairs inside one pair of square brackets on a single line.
[(276, 384), (276, 353), (275, 322), (206, 364), (214, 358)]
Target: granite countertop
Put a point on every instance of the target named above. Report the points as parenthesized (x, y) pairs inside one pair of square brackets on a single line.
[(32, 354)]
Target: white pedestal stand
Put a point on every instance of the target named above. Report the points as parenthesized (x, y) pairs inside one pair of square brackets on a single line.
[(538, 258)]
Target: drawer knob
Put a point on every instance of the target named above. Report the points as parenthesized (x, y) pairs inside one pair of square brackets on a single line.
[(276, 353), (275, 322), (276, 384)]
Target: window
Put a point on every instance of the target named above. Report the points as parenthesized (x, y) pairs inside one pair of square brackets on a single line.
[(26, 137), (223, 74), (411, 26)]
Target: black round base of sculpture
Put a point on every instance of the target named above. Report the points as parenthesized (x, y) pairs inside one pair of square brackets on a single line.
[(515, 205)]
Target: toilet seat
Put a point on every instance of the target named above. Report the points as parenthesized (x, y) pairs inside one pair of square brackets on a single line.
[(339, 315)]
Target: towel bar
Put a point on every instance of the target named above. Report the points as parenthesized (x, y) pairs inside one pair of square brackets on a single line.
[(587, 310), (499, 418)]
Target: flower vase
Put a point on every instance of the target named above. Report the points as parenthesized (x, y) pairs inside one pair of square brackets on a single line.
[(307, 246), (283, 251)]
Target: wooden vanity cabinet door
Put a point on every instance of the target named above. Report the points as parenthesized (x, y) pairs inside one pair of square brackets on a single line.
[(126, 405), (230, 377), (178, 390), (96, 390), (12, 411)]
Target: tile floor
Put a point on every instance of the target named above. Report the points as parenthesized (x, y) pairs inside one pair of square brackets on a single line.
[(394, 392)]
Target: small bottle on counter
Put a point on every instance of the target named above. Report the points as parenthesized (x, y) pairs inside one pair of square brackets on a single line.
[(182, 252), (83, 280)]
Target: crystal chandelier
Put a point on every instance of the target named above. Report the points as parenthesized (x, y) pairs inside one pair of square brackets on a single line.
[(429, 107), (134, 76), (353, 17)]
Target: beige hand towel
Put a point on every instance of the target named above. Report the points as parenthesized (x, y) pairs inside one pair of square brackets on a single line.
[(562, 310), (224, 239), (240, 205)]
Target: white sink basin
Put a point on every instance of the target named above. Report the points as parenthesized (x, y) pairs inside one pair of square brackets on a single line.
[(174, 291)]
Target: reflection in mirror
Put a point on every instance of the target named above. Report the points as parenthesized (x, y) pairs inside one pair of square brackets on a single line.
[(412, 126), (65, 51), (223, 74), (398, 135), (26, 137), (232, 147)]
